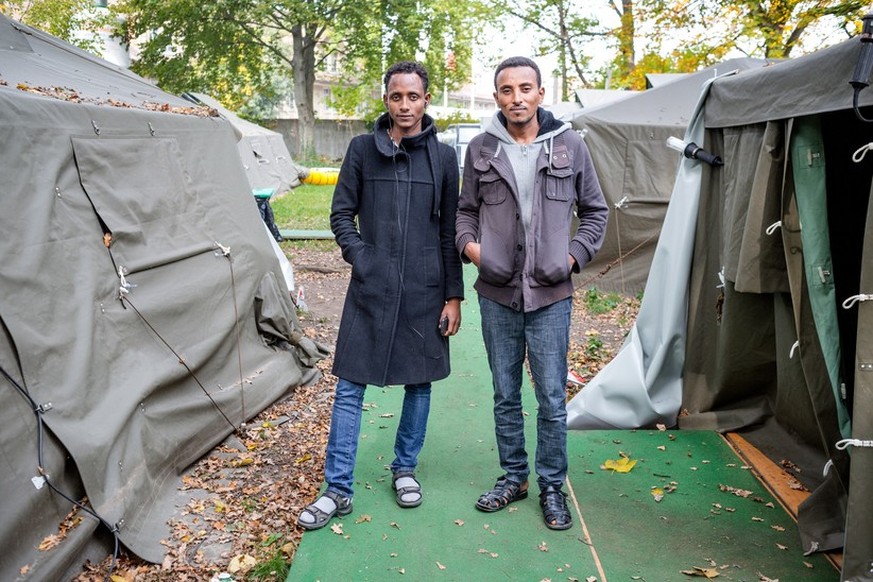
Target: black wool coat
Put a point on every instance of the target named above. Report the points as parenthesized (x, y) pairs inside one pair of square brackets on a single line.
[(393, 216)]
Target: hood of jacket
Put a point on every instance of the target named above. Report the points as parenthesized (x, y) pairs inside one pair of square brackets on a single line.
[(425, 139), (549, 128)]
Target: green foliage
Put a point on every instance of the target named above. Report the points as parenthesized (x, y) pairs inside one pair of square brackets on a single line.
[(276, 568), (594, 348), (75, 21), (600, 303), (454, 118), (237, 49)]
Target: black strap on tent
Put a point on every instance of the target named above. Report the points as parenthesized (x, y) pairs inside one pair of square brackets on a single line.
[(39, 410)]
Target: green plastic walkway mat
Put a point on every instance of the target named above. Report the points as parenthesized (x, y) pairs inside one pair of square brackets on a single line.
[(713, 514)]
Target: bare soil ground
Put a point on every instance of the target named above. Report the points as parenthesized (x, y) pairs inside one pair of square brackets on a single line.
[(238, 505)]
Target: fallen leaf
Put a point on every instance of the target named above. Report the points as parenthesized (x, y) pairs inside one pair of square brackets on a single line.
[(708, 573), (394, 524), (657, 493), (440, 566), (543, 547), (757, 519), (337, 528), (622, 465), (387, 415), (364, 518), (781, 547), (242, 563), (735, 491), (662, 448), (459, 522), (777, 527), (303, 459)]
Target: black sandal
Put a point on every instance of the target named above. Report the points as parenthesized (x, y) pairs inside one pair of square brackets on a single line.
[(319, 517), (406, 484), (504, 493), (555, 512)]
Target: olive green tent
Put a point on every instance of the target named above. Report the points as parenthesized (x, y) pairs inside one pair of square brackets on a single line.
[(758, 313), (142, 318), (636, 169)]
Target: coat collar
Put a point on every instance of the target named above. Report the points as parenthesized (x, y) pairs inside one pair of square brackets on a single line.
[(383, 142)]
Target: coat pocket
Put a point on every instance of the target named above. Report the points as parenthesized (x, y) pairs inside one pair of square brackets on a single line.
[(360, 268), (432, 270)]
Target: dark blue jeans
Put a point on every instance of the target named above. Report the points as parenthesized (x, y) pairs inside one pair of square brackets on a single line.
[(345, 428), (545, 336)]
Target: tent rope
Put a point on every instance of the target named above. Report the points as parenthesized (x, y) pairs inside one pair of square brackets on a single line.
[(621, 257), (619, 206), (851, 301), (861, 152)]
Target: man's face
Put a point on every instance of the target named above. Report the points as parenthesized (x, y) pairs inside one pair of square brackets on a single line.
[(518, 95), (405, 100)]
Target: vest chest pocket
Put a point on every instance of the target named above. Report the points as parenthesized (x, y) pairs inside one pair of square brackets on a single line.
[(491, 188), (559, 176)]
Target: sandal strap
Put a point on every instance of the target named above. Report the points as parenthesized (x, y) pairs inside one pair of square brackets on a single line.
[(503, 493), (554, 504)]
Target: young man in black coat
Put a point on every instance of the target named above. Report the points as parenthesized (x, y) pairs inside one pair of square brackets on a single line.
[(393, 216)]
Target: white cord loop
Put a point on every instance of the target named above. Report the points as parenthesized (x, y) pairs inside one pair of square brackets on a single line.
[(861, 152), (772, 228), (851, 301), (845, 443)]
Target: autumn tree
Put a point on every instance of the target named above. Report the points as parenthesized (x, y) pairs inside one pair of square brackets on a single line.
[(765, 29), (235, 48)]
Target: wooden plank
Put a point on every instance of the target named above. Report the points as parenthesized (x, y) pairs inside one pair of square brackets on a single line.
[(781, 484)]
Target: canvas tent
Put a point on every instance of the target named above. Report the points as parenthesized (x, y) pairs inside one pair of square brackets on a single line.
[(758, 316), (636, 170), (141, 316), (264, 154), (269, 167)]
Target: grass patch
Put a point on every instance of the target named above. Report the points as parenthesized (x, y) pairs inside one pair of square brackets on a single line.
[(276, 568), (600, 303), (303, 208)]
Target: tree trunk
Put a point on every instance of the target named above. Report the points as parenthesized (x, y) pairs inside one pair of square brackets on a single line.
[(303, 70), (626, 40)]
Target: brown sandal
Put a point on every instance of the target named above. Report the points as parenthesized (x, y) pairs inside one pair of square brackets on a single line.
[(504, 493)]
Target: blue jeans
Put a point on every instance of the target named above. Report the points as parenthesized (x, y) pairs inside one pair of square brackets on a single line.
[(545, 335), (345, 428)]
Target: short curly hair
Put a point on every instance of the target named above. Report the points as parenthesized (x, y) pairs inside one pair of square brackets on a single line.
[(518, 62), (407, 67)]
